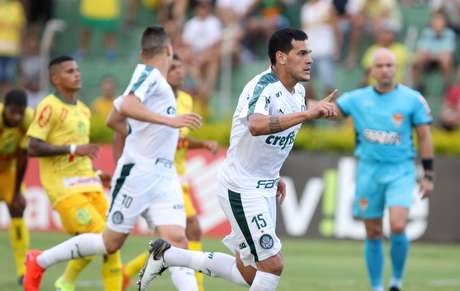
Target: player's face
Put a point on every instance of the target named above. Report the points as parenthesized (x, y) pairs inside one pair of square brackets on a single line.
[(176, 73), (14, 115), (299, 60), (68, 76), (384, 70), (109, 88)]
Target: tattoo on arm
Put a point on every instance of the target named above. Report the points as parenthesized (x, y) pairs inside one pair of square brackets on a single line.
[(274, 124)]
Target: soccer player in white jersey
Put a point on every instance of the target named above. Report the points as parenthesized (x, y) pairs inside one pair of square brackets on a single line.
[(270, 111), (145, 181)]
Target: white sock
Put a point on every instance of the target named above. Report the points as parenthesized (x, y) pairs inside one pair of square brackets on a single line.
[(83, 245), (396, 283), (264, 282), (183, 278), (379, 288), (212, 264)]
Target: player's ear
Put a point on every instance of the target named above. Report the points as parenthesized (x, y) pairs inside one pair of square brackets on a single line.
[(281, 57)]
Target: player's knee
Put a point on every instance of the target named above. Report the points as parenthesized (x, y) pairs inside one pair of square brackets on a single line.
[(273, 265), (397, 227), (193, 230), (374, 233), (112, 245), (177, 239), (16, 211)]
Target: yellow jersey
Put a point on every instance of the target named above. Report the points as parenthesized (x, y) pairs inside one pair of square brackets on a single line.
[(100, 9), (60, 123), (12, 20), (13, 138), (102, 107), (184, 105)]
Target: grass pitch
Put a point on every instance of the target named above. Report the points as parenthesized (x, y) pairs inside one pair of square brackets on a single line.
[(310, 265)]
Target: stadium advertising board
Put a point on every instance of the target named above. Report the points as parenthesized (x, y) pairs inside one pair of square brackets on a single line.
[(318, 203)]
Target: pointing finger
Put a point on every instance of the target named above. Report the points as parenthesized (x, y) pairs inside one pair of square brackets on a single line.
[(331, 97)]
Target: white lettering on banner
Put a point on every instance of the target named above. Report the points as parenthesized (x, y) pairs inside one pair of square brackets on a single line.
[(345, 225), (297, 210), (297, 215)]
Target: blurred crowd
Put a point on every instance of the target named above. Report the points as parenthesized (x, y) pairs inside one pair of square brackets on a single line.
[(205, 31)]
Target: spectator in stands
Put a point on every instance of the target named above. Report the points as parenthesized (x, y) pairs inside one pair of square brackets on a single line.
[(451, 10), (385, 36), (202, 35), (31, 67), (343, 14), (264, 18), (38, 14), (233, 15), (367, 14), (450, 111), (319, 21), (101, 15), (435, 47), (12, 26), (103, 104)]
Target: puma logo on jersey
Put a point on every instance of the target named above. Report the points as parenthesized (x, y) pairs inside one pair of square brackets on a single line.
[(281, 141), (171, 110)]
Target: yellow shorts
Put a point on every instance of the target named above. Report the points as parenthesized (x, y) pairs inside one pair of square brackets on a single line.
[(189, 208), (83, 212), (7, 183)]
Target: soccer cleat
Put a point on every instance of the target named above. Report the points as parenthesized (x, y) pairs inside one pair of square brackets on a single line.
[(61, 285), (155, 264), (34, 273), (394, 288)]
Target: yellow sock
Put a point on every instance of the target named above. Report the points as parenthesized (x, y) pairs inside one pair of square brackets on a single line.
[(19, 237), (135, 265), (111, 272), (74, 267), (197, 246)]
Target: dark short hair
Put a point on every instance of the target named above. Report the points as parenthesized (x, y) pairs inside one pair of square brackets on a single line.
[(16, 97), (56, 62), (154, 40), (281, 40), (59, 60)]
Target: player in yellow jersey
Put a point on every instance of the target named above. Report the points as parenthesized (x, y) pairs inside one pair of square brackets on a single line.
[(59, 137), (184, 105), (15, 118)]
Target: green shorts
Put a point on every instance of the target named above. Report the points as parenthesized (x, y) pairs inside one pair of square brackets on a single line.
[(106, 25)]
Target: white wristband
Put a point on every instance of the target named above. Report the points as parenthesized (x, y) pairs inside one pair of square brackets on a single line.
[(72, 149)]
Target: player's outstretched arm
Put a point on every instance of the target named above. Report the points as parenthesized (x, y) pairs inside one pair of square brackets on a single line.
[(40, 148), (133, 108), (117, 122), (210, 145), (426, 153), (260, 124)]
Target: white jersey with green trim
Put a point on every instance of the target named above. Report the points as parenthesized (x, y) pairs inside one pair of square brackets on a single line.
[(150, 143), (253, 163)]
